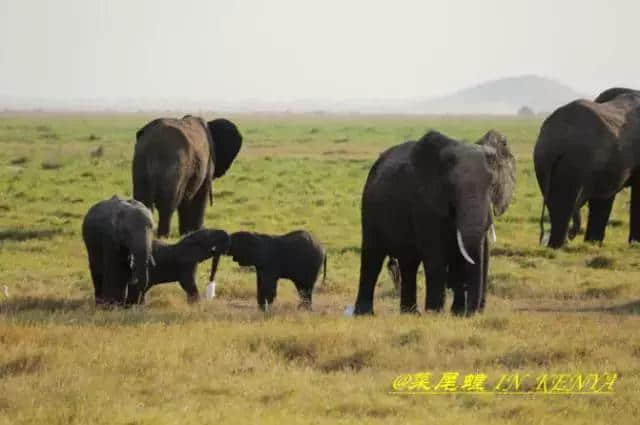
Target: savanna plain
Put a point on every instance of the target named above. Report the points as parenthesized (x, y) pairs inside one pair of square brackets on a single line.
[(62, 361)]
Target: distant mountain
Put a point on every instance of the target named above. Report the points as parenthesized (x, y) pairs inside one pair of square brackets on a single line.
[(503, 96)]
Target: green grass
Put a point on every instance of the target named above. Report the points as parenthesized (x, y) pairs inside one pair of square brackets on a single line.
[(63, 362)]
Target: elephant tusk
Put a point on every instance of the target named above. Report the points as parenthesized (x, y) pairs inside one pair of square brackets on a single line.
[(492, 233), (462, 250), (152, 261), (132, 262), (213, 248)]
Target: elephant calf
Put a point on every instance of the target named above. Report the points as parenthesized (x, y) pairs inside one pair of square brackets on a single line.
[(179, 261), (296, 256), (117, 234)]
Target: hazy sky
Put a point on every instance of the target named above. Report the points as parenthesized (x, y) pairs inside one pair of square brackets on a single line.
[(289, 49)]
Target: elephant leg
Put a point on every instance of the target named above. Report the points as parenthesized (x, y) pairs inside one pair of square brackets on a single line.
[(188, 284), (408, 271), (562, 204), (141, 189), (456, 281), (164, 221), (436, 276), (116, 275), (95, 266), (134, 295), (577, 224), (634, 213), (435, 270), (371, 259), (266, 293), (599, 212), (191, 213), (305, 292)]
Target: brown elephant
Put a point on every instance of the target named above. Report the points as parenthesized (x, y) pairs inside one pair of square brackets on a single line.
[(587, 152), (174, 163)]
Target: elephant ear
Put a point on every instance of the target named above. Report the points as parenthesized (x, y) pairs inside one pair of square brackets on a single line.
[(502, 166), (227, 142), (248, 249), (431, 159)]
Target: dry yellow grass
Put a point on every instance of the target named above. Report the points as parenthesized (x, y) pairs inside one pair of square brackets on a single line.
[(63, 362)]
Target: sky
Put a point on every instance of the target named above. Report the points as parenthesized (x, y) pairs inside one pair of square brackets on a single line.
[(278, 50)]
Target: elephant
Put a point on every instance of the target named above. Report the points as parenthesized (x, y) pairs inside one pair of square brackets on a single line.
[(117, 234), (612, 93), (296, 256), (430, 201), (179, 261), (586, 152), (175, 162)]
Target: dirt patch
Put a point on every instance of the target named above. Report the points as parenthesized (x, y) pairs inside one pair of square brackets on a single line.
[(352, 363), (24, 365)]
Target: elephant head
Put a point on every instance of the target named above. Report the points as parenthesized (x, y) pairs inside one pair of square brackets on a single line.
[(133, 226), (227, 142), (250, 249), (201, 244), (461, 183), (247, 249)]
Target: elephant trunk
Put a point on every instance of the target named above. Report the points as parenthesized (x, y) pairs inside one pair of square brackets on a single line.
[(142, 257), (471, 226), (471, 231)]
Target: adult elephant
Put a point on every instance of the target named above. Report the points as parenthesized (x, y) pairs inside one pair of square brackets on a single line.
[(174, 163), (587, 152), (430, 201), (117, 234)]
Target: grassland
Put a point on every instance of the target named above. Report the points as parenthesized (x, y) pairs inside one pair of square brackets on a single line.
[(64, 362)]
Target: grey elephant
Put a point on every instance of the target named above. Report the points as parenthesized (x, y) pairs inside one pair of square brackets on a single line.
[(178, 262), (430, 201), (174, 163), (117, 234), (296, 256), (587, 152)]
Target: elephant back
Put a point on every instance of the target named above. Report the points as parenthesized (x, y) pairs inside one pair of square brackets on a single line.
[(170, 134)]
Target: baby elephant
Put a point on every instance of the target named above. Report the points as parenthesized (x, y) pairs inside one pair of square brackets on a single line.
[(179, 261), (296, 256)]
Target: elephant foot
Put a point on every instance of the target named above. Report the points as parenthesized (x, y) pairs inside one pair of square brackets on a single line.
[(593, 241), (193, 298), (362, 310), (572, 233), (410, 310), (435, 307), (634, 239), (305, 305), (458, 310)]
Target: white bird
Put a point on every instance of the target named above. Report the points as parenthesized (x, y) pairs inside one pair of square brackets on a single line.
[(348, 311), (545, 239), (210, 293)]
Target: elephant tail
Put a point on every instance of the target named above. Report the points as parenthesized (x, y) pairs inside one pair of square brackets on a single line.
[(545, 195), (210, 192), (324, 273)]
